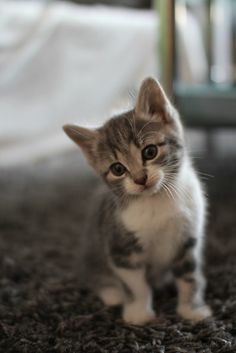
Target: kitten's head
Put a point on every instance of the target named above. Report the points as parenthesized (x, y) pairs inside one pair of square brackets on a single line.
[(138, 152)]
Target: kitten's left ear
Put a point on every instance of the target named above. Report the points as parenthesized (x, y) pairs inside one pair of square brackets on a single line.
[(152, 100), (85, 138)]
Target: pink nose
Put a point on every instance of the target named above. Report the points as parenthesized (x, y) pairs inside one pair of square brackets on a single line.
[(141, 181)]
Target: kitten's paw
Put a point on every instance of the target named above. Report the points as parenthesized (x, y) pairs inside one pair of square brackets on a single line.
[(135, 314), (194, 314), (111, 296)]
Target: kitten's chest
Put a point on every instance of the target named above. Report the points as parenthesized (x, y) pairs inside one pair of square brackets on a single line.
[(156, 222), (149, 215)]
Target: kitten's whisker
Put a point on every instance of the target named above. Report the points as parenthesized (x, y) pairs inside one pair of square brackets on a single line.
[(173, 188), (132, 94), (169, 191), (166, 190), (205, 174), (178, 189), (171, 178)]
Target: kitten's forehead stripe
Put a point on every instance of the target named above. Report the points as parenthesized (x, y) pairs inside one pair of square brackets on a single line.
[(122, 159), (134, 159), (118, 134), (123, 130)]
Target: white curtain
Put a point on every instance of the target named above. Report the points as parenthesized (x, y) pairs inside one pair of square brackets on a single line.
[(63, 63)]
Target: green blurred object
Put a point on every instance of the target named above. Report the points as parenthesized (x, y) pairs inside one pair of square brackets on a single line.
[(208, 105), (139, 4), (166, 43)]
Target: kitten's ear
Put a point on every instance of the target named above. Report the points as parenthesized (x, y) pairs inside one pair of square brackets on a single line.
[(152, 100), (85, 138)]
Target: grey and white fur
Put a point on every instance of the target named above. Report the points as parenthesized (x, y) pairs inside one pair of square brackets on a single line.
[(148, 217)]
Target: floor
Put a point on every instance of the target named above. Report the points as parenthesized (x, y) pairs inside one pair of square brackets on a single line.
[(41, 308)]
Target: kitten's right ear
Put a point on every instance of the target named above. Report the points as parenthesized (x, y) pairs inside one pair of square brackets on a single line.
[(85, 138), (152, 100)]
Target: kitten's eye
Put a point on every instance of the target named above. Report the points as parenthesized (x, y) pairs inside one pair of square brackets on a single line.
[(149, 152), (117, 169)]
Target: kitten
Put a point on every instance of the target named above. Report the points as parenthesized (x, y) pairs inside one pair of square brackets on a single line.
[(148, 219)]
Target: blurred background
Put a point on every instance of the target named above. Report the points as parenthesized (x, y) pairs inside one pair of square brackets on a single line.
[(81, 61)]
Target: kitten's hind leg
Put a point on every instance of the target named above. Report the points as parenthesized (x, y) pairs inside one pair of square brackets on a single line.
[(190, 285), (188, 307)]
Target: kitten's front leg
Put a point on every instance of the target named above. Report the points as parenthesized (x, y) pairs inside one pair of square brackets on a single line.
[(138, 310), (190, 284)]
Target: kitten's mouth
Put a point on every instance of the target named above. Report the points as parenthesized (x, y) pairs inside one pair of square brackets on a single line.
[(149, 189), (153, 187)]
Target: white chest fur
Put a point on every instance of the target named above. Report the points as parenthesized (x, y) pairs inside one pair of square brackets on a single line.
[(149, 214), (157, 221)]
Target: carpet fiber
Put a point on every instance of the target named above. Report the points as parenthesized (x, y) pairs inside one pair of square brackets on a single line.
[(41, 309)]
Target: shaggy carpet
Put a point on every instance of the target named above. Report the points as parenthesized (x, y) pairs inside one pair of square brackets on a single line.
[(41, 308)]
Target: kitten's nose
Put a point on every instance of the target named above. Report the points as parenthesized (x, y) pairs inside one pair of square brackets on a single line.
[(141, 181)]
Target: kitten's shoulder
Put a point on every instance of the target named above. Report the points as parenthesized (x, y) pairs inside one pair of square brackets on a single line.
[(192, 190), (101, 199)]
